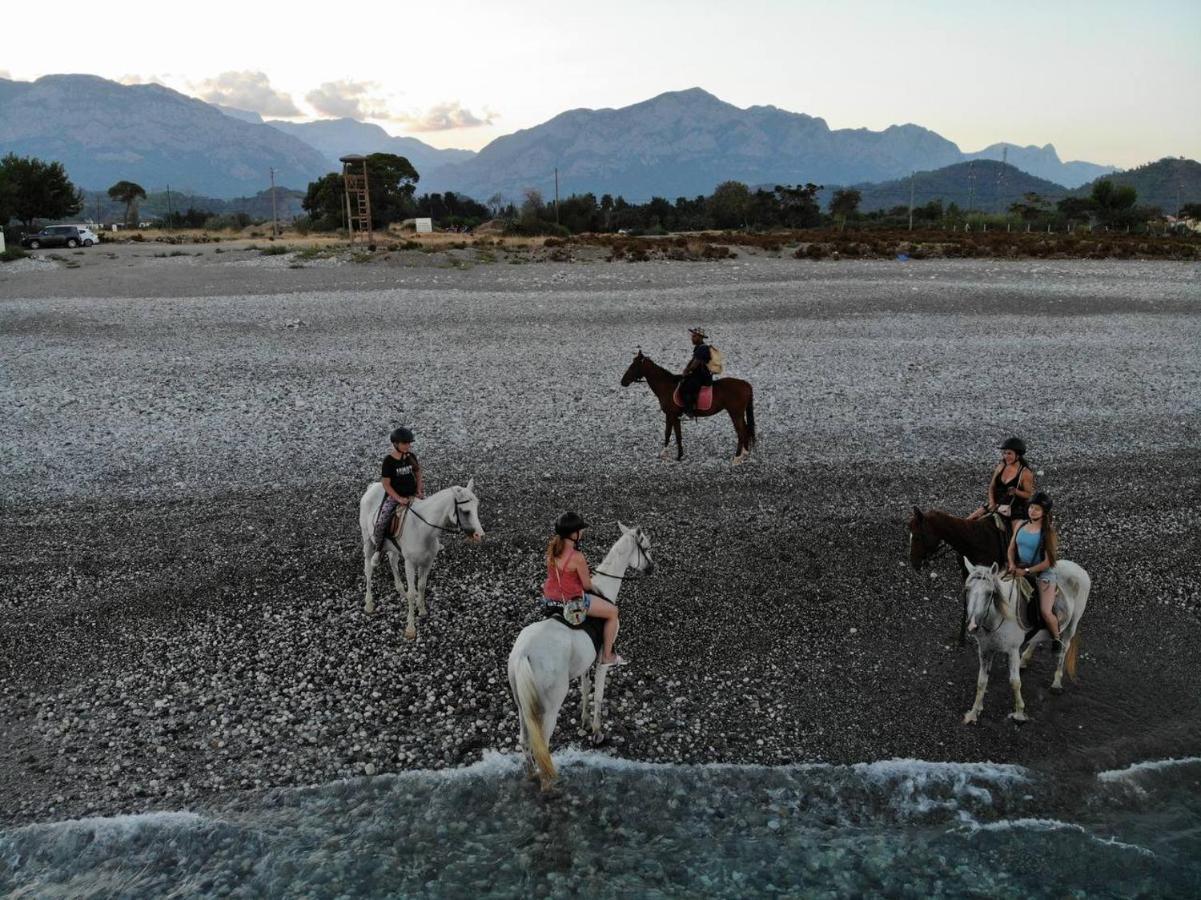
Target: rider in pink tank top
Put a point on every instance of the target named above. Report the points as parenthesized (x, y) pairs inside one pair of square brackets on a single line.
[(562, 583)]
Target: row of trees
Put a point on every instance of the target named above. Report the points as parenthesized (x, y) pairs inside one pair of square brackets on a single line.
[(32, 189)]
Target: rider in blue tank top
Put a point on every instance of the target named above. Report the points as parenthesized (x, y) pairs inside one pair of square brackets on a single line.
[(1034, 550)]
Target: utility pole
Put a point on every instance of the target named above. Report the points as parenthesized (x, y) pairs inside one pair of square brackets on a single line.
[(98, 222), (556, 195), (274, 214), (168, 207), (911, 178)]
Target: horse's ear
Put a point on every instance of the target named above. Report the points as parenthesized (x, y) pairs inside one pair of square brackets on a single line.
[(471, 484), (992, 570), (624, 530), (917, 513), (967, 564)]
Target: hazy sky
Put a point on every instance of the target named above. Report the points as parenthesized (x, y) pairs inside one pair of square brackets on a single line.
[(1110, 82)]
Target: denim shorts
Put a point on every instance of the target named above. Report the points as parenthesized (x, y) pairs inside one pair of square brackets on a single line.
[(1049, 575)]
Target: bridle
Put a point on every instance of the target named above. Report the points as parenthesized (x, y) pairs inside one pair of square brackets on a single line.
[(642, 554), (941, 550), (459, 527)]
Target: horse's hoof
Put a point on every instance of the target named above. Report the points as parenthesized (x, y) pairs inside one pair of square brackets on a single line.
[(410, 634), (369, 609), (666, 454), (598, 739), (970, 718), (1020, 717), (1057, 689)]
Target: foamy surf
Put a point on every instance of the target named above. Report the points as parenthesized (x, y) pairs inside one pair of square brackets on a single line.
[(616, 827)]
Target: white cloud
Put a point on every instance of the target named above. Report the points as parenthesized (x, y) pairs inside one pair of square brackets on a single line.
[(246, 90), (351, 99), (143, 79), (4, 73), (445, 117)]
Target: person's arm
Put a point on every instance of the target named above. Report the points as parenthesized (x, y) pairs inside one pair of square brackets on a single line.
[(1012, 544), (992, 483), (389, 490), (1025, 486)]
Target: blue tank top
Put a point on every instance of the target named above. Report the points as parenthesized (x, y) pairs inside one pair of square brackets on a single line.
[(1028, 547)]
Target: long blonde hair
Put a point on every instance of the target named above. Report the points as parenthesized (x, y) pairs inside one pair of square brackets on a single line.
[(554, 548)]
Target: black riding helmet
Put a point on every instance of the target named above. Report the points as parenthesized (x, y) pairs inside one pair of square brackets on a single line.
[(1043, 499), (402, 435), (568, 524), (1016, 444)]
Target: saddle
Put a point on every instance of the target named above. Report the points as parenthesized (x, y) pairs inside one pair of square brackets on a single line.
[(704, 400), (1029, 617), (591, 626)]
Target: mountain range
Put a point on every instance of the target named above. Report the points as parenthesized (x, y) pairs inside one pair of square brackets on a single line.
[(680, 143)]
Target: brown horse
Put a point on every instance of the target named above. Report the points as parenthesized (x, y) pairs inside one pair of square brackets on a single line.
[(976, 539), (733, 395)]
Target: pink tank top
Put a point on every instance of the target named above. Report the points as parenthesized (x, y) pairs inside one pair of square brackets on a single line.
[(562, 584)]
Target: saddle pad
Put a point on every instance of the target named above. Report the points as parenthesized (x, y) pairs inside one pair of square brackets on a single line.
[(592, 626), (704, 400)]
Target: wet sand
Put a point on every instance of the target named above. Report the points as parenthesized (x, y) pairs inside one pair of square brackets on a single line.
[(180, 578)]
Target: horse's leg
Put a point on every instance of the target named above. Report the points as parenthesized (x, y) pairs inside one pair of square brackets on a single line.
[(394, 563), (1057, 681), (423, 575), (739, 430), (1034, 642), (585, 686), (666, 452), (369, 601), (963, 617), (597, 700), (1015, 682), (411, 599), (981, 683), (679, 439)]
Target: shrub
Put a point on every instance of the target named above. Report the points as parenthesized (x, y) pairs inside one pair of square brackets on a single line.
[(12, 253), (275, 250)]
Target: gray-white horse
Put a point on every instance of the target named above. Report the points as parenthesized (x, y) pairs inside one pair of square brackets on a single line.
[(453, 509), (548, 654), (992, 608)]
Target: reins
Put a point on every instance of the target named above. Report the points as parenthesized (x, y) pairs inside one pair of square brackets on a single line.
[(459, 529)]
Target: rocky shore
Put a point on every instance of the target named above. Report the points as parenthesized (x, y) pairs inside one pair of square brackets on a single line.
[(180, 578)]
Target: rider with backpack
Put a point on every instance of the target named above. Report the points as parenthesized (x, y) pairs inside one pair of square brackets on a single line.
[(699, 371), (568, 587)]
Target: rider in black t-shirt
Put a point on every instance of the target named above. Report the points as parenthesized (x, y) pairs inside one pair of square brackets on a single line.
[(696, 374), (400, 475)]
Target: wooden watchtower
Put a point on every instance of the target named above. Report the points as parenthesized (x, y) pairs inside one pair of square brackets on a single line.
[(358, 200)]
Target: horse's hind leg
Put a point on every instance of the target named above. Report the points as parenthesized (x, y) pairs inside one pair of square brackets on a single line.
[(679, 439), (597, 700), (369, 601), (585, 686), (423, 576), (1015, 682), (666, 452)]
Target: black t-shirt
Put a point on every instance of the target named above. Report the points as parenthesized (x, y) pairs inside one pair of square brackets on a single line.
[(402, 473), (701, 353)]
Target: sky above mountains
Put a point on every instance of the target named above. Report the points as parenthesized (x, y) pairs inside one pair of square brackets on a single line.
[(1111, 82)]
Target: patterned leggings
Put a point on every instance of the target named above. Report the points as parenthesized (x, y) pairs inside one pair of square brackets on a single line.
[(383, 519)]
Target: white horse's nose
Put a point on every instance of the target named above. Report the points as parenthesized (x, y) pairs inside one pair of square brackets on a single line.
[(971, 626)]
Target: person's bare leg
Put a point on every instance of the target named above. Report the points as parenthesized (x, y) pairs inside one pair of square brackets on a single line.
[(1046, 605)]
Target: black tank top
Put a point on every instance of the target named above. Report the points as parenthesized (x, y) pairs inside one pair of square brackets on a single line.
[(1002, 492)]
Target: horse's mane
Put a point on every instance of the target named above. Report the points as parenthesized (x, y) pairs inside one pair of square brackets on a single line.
[(658, 369)]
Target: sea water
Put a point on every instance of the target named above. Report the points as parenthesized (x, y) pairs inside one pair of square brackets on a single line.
[(612, 828)]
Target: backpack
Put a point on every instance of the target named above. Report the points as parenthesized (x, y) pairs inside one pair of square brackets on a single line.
[(716, 361)]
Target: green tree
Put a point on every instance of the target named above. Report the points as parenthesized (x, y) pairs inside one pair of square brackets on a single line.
[(391, 180), (844, 204), (1190, 211), (1113, 204), (127, 192), (798, 205), (325, 202), (33, 189), (1031, 207), (729, 203)]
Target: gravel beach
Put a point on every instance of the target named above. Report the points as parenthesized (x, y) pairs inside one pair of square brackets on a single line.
[(186, 440)]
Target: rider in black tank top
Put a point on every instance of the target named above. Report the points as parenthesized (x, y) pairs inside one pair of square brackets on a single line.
[(1004, 492)]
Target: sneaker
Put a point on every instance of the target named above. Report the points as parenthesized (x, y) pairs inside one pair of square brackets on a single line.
[(618, 660)]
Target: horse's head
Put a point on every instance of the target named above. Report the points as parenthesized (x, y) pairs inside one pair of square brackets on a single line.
[(640, 550), (982, 592), (634, 372), (467, 511), (922, 544)]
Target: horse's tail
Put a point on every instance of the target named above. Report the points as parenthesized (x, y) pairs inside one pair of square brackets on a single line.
[(1069, 661), (750, 418), (531, 713)]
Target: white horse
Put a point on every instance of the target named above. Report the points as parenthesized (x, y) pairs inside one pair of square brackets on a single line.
[(548, 654), (453, 509), (992, 607)]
